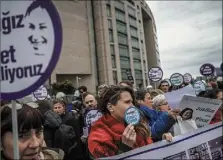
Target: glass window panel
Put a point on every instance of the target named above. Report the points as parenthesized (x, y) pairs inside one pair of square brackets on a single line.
[(123, 51), (120, 15), (135, 42), (121, 27), (137, 64), (111, 36), (112, 49), (144, 65), (109, 23), (136, 53), (132, 21), (108, 11), (115, 79), (124, 62), (134, 32), (113, 61), (122, 39), (131, 11), (124, 75), (138, 74), (119, 4)]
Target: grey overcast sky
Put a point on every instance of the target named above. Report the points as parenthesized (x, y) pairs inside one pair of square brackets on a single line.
[(189, 34)]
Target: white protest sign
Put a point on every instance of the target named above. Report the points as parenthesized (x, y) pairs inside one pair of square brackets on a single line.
[(91, 116), (199, 86), (204, 143), (31, 41), (203, 109), (41, 93), (155, 74), (187, 77), (176, 79), (174, 97)]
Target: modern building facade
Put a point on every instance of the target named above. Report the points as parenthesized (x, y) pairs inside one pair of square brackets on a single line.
[(103, 40)]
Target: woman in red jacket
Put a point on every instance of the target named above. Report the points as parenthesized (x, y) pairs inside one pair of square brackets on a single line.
[(110, 135)]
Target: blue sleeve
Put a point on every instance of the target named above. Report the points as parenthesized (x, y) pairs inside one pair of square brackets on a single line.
[(151, 114), (162, 125)]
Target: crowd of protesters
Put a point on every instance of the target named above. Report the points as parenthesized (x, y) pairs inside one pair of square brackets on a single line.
[(52, 131)]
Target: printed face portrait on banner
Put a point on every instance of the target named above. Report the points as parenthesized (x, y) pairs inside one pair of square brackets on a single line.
[(31, 42)]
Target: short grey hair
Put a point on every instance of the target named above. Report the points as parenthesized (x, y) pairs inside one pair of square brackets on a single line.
[(159, 100)]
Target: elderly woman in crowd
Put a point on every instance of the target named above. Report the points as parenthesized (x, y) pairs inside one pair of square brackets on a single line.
[(159, 121), (110, 135), (160, 103), (30, 129), (185, 117)]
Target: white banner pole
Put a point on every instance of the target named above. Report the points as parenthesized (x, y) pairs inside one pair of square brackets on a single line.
[(15, 130)]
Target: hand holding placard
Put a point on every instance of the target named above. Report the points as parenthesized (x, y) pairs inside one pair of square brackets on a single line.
[(129, 136)]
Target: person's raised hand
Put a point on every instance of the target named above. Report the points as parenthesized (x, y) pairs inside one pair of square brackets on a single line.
[(174, 113), (129, 136)]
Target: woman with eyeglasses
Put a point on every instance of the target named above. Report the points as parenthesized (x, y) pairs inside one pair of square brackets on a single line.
[(30, 131)]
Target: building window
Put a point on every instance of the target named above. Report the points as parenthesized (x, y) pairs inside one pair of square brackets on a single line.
[(119, 5), (134, 32), (123, 51), (142, 46), (137, 64), (139, 83), (137, 6), (108, 11), (120, 15), (131, 11), (115, 79), (125, 62), (132, 21), (121, 27), (130, 1), (136, 53), (124, 74), (144, 65), (113, 61), (111, 36), (138, 74), (109, 23), (135, 42), (122, 39), (112, 49)]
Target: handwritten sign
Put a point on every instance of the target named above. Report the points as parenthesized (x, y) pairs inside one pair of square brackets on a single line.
[(31, 41), (203, 109), (92, 116), (204, 143), (155, 74), (207, 69), (176, 79)]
